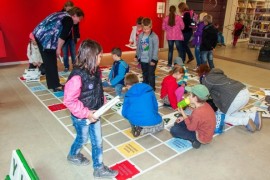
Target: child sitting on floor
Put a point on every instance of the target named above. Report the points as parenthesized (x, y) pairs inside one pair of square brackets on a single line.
[(199, 127), (179, 62), (117, 73), (170, 93), (140, 107)]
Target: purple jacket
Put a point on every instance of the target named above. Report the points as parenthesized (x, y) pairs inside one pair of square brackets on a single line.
[(198, 34)]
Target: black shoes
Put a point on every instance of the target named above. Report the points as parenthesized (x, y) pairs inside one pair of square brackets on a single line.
[(196, 144), (61, 88), (136, 130)]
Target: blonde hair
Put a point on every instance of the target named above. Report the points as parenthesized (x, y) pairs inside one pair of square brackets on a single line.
[(208, 18), (202, 14)]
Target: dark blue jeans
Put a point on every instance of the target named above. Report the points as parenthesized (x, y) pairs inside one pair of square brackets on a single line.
[(148, 72), (207, 56), (198, 55), (179, 48), (179, 130), (186, 49), (69, 45)]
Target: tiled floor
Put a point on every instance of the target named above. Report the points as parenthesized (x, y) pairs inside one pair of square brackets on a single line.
[(45, 137)]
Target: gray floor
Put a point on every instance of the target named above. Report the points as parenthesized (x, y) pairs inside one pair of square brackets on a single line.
[(27, 125)]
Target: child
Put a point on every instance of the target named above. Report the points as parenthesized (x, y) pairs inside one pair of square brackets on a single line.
[(71, 41), (147, 52), (199, 127), (117, 73), (238, 28), (198, 39), (183, 81), (209, 41), (136, 30), (83, 96), (221, 41), (34, 56), (173, 25), (140, 107), (170, 93)]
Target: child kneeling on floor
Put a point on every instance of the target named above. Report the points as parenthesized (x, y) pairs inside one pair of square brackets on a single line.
[(199, 127), (140, 107), (170, 93)]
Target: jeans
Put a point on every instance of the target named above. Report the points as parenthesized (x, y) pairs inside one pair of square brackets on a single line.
[(149, 74), (118, 88), (179, 48), (221, 38), (84, 131), (69, 44), (198, 55), (207, 56), (186, 49), (233, 116), (179, 130)]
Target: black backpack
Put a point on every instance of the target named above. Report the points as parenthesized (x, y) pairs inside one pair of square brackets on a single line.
[(265, 52)]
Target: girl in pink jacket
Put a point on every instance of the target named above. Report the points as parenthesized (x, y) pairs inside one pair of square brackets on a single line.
[(173, 25)]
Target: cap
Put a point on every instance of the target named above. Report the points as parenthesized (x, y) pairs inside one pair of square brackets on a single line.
[(199, 90), (178, 61)]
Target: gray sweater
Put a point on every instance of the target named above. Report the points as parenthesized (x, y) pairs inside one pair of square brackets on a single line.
[(153, 47), (223, 90)]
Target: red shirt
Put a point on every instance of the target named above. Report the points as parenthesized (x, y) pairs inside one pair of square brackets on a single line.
[(203, 122), (168, 87)]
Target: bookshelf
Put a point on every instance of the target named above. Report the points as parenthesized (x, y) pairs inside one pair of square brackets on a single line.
[(260, 29)]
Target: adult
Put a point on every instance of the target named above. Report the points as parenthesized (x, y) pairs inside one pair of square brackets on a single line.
[(173, 25), (187, 31), (50, 35), (230, 96), (70, 43)]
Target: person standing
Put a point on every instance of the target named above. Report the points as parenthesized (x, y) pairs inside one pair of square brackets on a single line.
[(173, 25), (70, 43), (147, 52), (187, 31), (50, 35)]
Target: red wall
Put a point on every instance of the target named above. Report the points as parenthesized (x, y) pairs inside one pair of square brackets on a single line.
[(108, 22)]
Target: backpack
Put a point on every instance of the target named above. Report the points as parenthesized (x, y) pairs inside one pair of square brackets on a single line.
[(194, 19)]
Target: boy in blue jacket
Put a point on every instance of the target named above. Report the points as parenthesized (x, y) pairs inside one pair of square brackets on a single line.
[(117, 73), (140, 107)]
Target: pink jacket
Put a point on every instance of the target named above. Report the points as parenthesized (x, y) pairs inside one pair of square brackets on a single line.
[(72, 93), (175, 32)]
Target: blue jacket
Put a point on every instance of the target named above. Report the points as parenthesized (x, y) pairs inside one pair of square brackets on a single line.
[(118, 72), (140, 106)]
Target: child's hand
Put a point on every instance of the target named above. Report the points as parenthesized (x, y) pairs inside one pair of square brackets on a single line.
[(152, 63), (180, 119), (105, 100), (182, 112), (91, 116)]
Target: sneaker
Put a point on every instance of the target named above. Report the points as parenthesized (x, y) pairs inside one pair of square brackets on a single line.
[(78, 160), (136, 131), (104, 172), (258, 120), (251, 126), (196, 144)]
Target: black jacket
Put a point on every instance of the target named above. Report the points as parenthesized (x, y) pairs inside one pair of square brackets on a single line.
[(209, 38)]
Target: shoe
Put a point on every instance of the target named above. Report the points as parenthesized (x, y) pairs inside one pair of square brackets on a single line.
[(57, 89), (251, 126), (66, 70), (136, 131), (195, 69), (167, 105), (191, 59), (258, 120), (78, 160), (196, 144), (104, 172)]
